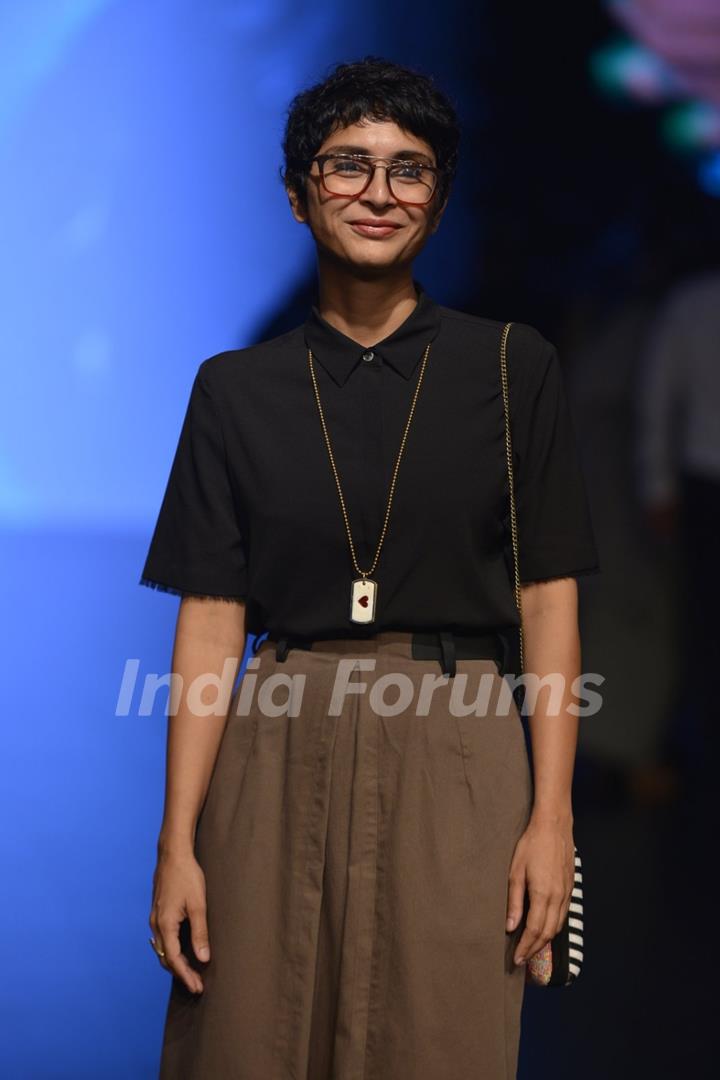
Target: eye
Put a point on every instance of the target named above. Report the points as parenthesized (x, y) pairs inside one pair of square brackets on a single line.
[(347, 165), (408, 168)]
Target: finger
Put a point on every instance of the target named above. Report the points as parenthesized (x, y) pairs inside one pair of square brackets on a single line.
[(176, 959), (563, 912), (548, 931), (516, 897), (533, 926), (199, 932), (179, 965), (157, 947), (564, 908), (156, 940)]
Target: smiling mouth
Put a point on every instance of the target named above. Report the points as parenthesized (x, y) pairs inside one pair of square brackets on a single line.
[(373, 230)]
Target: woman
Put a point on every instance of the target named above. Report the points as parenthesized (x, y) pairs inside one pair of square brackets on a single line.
[(342, 869)]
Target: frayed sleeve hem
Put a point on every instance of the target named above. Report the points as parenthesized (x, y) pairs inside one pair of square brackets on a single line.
[(174, 590)]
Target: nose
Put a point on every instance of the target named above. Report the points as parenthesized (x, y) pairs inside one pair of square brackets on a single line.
[(378, 190)]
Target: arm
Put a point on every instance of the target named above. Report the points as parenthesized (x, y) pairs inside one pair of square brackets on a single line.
[(544, 857), (208, 632)]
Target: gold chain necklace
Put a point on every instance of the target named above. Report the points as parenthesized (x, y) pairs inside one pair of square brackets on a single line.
[(363, 590)]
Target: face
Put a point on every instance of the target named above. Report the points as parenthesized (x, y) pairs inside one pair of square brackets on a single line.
[(333, 221)]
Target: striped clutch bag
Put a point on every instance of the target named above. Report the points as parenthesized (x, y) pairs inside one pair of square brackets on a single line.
[(560, 961)]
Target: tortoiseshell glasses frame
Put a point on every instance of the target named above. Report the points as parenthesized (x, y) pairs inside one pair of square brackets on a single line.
[(389, 164)]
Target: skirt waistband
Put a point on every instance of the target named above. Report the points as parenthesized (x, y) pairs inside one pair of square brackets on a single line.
[(443, 645)]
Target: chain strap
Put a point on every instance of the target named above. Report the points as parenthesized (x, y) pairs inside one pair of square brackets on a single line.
[(511, 481), (366, 573)]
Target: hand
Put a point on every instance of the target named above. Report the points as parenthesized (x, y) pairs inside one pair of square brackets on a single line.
[(179, 892), (544, 863)]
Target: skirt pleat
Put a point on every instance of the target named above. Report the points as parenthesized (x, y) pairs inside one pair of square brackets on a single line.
[(356, 852)]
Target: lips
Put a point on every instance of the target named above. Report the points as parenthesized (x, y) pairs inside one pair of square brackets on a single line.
[(370, 227), (380, 222)]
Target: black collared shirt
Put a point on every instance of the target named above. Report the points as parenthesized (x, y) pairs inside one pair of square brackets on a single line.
[(251, 509)]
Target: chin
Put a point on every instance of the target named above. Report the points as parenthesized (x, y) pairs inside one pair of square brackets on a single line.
[(364, 258), (372, 268)]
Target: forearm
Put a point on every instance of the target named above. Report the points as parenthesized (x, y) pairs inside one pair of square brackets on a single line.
[(208, 633), (552, 648)]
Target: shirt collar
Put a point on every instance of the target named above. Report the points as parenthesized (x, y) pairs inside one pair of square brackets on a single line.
[(402, 349)]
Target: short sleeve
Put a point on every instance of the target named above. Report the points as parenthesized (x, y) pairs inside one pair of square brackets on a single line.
[(555, 533), (197, 546)]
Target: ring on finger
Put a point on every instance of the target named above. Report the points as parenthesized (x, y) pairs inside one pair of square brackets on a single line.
[(159, 952)]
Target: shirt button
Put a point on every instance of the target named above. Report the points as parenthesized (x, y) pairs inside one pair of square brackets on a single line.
[(369, 355)]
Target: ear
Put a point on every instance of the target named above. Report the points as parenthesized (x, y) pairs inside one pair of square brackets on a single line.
[(298, 210)]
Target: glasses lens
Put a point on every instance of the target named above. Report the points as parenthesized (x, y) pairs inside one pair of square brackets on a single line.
[(408, 182), (411, 183), (345, 175)]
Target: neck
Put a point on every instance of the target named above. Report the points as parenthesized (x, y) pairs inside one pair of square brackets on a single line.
[(366, 310)]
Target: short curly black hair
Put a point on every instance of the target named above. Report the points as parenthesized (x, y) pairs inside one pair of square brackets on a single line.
[(371, 88)]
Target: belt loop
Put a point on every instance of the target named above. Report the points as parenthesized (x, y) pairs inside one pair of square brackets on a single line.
[(281, 649), (447, 644)]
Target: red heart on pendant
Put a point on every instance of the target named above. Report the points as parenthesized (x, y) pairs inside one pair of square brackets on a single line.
[(363, 600)]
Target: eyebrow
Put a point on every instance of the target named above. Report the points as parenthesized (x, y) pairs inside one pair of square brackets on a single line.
[(416, 155)]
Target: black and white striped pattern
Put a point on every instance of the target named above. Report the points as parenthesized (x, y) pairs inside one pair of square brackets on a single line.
[(575, 922)]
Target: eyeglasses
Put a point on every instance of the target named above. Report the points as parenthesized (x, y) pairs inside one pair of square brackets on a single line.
[(348, 175)]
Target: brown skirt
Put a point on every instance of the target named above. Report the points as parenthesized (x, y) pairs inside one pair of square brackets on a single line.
[(356, 848)]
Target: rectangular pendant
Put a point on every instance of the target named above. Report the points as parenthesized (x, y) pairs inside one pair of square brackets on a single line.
[(362, 600)]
